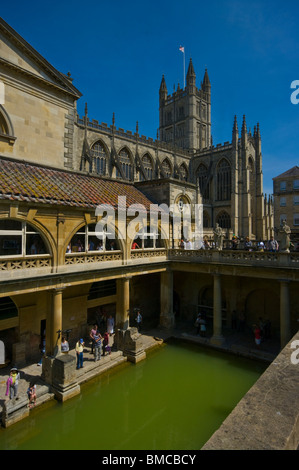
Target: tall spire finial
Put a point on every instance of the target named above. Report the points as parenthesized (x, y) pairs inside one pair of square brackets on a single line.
[(244, 127), (235, 128), (206, 84)]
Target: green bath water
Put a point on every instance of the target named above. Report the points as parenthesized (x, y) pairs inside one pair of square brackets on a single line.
[(174, 400)]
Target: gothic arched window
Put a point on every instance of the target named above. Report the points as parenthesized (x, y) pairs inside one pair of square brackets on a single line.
[(166, 168), (223, 181), (183, 172), (99, 158), (204, 185), (223, 219), (148, 166), (126, 164), (206, 219)]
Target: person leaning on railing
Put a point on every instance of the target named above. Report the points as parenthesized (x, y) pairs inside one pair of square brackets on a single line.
[(235, 242), (272, 244)]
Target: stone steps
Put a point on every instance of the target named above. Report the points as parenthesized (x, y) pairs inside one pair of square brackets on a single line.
[(92, 369), (17, 409)]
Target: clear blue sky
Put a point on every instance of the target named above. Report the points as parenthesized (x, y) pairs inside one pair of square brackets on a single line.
[(118, 50)]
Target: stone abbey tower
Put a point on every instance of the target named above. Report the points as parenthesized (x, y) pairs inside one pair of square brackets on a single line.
[(185, 117)]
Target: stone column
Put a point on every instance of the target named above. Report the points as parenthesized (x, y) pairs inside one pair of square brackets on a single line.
[(285, 327), (53, 334), (166, 299), (56, 326), (217, 337), (123, 303)]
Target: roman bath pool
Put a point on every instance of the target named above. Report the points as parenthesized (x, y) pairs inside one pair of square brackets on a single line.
[(174, 400)]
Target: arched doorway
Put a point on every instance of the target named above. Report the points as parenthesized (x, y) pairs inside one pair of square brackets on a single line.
[(8, 325), (101, 303), (264, 304)]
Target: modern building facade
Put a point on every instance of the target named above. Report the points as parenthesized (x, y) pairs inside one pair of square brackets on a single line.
[(58, 169), (286, 200)]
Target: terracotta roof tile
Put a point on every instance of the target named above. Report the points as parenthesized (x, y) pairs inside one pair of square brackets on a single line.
[(32, 183)]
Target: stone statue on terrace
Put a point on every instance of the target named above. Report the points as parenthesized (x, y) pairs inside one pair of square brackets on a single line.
[(218, 237), (285, 240)]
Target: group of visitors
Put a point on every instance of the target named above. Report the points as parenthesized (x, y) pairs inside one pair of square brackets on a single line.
[(261, 245), (78, 246), (12, 388), (99, 343), (236, 243), (261, 329)]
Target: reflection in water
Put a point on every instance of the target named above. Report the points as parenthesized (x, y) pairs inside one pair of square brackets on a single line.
[(173, 400)]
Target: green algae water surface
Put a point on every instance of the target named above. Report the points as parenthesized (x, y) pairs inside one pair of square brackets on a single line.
[(174, 400)]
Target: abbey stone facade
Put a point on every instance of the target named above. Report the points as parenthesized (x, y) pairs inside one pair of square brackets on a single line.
[(227, 179)]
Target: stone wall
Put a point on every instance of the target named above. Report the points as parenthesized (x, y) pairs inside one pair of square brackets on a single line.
[(267, 417)]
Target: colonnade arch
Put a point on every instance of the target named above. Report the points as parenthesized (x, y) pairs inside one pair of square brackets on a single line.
[(262, 304), (21, 238), (88, 238)]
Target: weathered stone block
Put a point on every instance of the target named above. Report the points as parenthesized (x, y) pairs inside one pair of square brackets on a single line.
[(64, 377)]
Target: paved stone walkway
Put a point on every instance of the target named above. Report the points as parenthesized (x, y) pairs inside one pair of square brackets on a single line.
[(241, 343)]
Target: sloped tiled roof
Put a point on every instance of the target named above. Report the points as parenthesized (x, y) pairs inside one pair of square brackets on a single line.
[(292, 172), (32, 183), (26, 48)]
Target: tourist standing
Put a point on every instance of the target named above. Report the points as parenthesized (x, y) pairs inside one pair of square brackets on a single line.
[(203, 328), (12, 384), (110, 325), (31, 392), (43, 349), (206, 244), (257, 335), (79, 353), (106, 346), (182, 244), (97, 346), (92, 333), (248, 244), (197, 324), (138, 319), (64, 345), (235, 242), (261, 245), (272, 245)]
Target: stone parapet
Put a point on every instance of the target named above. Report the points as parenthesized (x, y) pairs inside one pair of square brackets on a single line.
[(267, 417)]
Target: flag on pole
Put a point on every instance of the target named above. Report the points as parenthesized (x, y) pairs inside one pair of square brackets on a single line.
[(182, 49)]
